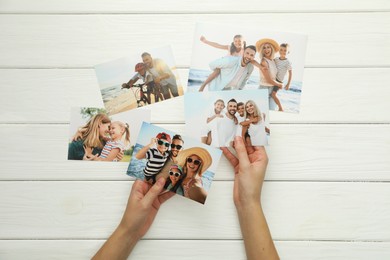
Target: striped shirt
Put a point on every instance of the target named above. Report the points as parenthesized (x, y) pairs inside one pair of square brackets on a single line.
[(109, 146), (155, 161), (283, 66)]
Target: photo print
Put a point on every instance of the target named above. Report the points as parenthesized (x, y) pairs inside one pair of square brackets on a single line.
[(187, 165), (139, 80), (96, 136), (230, 58), (216, 117)]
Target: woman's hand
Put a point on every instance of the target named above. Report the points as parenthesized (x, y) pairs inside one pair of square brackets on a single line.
[(249, 166), (142, 206)]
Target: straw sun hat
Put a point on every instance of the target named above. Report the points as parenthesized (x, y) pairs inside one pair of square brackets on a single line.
[(202, 153), (267, 40)]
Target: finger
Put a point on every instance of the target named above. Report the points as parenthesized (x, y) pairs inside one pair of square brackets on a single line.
[(262, 152), (165, 196), (241, 150), (154, 191), (231, 157)]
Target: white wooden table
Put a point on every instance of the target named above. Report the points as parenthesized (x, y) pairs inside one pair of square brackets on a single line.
[(327, 194)]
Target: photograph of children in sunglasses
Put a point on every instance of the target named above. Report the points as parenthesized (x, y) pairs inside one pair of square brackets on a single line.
[(188, 168)]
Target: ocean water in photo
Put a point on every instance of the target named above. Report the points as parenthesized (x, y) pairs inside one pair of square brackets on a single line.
[(112, 92), (290, 99), (136, 168)]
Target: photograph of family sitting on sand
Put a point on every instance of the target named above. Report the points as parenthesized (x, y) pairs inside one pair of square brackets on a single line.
[(228, 58), (94, 136), (217, 117), (187, 165), (140, 80)]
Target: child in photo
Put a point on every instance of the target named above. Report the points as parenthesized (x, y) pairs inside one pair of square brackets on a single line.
[(236, 48), (156, 156), (283, 65), (120, 139), (240, 115), (216, 112), (175, 179)]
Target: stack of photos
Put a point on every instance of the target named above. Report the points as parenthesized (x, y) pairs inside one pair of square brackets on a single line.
[(215, 118), (236, 76), (228, 58), (95, 136), (187, 165), (138, 80)]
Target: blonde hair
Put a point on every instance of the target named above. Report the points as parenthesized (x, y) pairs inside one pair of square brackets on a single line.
[(90, 132), (261, 50), (125, 126), (199, 171), (256, 113)]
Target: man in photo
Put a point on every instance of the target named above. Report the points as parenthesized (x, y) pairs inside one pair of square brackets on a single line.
[(226, 126), (176, 147), (146, 77), (162, 75), (234, 71)]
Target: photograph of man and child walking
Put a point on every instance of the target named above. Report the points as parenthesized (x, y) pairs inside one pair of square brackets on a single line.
[(187, 165), (249, 59)]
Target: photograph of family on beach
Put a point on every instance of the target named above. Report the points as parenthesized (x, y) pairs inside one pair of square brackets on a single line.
[(95, 136), (187, 165), (229, 58), (216, 117), (139, 80)]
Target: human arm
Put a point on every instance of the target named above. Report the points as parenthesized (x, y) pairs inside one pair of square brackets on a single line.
[(250, 168), (265, 71), (142, 152), (142, 206), (209, 119), (131, 81), (214, 44), (289, 79)]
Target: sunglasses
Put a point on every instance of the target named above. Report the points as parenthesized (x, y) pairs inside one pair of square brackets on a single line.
[(177, 174), (160, 142), (178, 146), (196, 162)]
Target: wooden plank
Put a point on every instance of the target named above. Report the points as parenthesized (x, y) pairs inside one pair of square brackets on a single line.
[(175, 6), (40, 96), (295, 211), (71, 41), (182, 249), (297, 152)]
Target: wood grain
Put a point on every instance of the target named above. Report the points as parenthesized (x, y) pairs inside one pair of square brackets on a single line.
[(73, 41)]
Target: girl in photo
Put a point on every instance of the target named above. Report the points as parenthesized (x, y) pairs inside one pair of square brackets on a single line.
[(120, 139), (219, 105), (253, 128), (236, 48), (174, 180)]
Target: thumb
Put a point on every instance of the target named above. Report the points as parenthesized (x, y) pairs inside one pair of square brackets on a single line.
[(154, 191)]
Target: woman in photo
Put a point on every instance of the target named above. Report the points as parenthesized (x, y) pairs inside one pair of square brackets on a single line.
[(195, 161), (268, 70), (92, 136), (253, 128), (119, 140)]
